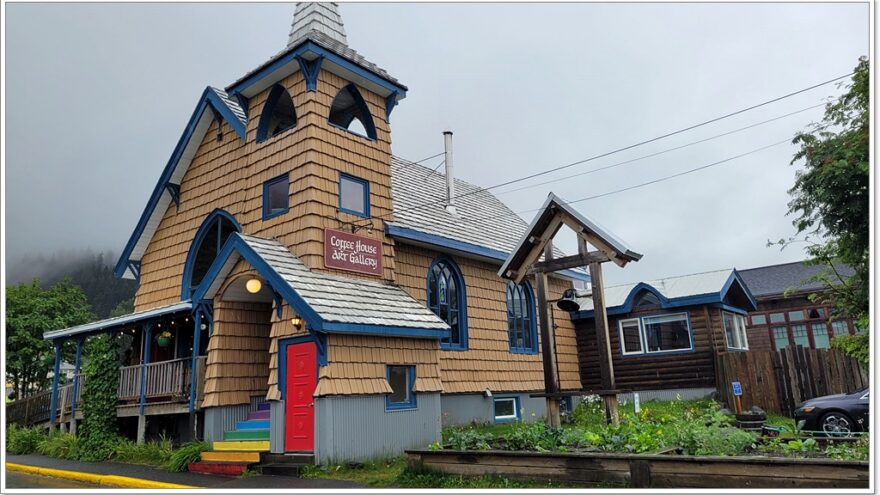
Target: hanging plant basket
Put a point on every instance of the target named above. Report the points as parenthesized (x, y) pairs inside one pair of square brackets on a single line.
[(163, 340)]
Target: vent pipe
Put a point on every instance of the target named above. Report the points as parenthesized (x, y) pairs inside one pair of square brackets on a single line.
[(450, 176)]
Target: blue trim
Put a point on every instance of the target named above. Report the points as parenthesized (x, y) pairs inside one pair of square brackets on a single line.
[(53, 402), (363, 113), (329, 56), (208, 98), (186, 285), (198, 311), (516, 408), (282, 358), (384, 330), (645, 352), (279, 303), (266, 185), (410, 381), (529, 297), (463, 247), (76, 367), (731, 309), (135, 267), (390, 103), (235, 244), (461, 293), (363, 183), (349, 131), (310, 70), (736, 276), (269, 109), (174, 191), (148, 341)]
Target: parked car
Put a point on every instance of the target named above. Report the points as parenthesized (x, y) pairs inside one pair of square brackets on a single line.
[(835, 415)]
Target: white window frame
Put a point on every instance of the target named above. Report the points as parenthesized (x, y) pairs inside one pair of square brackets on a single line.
[(740, 337), (641, 337), (512, 417)]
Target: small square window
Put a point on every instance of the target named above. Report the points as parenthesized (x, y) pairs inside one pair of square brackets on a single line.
[(276, 198), (777, 317), (354, 195), (759, 319), (401, 379), (796, 315), (630, 336), (506, 409)]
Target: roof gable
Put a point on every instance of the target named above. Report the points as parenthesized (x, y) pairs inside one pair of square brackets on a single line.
[(212, 104)]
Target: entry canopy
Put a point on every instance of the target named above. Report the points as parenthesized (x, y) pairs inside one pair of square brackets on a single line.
[(553, 215)]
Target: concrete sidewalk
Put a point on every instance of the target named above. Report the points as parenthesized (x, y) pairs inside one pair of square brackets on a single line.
[(162, 476)]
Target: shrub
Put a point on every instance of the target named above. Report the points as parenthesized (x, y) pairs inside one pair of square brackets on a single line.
[(22, 440), (187, 454), (469, 440), (58, 444), (532, 436), (153, 453), (715, 440)]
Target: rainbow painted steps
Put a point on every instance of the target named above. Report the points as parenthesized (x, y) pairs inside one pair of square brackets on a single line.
[(239, 448)]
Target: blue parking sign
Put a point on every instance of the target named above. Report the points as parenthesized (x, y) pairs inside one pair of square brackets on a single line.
[(737, 388)]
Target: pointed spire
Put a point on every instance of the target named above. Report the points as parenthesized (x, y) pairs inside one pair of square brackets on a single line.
[(314, 16)]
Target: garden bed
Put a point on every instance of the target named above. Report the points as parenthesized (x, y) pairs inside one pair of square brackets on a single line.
[(647, 470)]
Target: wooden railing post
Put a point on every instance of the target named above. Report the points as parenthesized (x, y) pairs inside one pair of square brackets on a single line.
[(53, 403), (145, 360), (78, 361)]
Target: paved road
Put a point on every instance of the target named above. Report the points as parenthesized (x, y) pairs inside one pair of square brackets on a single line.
[(14, 479)]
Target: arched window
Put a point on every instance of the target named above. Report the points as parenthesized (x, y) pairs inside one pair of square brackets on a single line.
[(278, 114), (349, 111), (521, 329), (205, 247), (446, 298), (647, 298)]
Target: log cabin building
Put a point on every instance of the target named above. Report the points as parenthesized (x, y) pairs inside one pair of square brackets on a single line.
[(665, 334), (302, 290)]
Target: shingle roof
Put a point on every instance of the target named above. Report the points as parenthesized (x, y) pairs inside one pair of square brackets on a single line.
[(318, 16), (481, 218), (695, 284), (232, 104), (776, 279), (332, 298)]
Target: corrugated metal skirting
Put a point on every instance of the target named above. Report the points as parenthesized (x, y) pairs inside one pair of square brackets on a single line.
[(223, 418)]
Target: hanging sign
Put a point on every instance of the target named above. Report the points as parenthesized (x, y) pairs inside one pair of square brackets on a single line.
[(355, 253)]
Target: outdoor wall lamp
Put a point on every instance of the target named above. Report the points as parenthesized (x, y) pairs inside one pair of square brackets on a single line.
[(254, 285), (296, 321)]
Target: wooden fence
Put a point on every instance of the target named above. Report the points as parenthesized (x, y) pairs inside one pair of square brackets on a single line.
[(780, 380)]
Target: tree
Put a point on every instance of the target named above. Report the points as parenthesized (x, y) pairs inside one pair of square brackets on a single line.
[(31, 311), (830, 197), (99, 431)]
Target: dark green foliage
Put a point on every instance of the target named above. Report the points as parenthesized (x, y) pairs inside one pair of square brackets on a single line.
[(153, 453), (468, 440), (99, 433), (20, 440), (103, 290), (715, 440), (123, 308), (58, 444), (31, 311), (831, 201), (857, 346), (186, 454)]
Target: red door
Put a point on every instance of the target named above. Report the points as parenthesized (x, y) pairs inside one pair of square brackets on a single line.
[(299, 424)]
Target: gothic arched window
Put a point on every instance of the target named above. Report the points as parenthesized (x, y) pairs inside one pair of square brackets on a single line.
[(446, 298)]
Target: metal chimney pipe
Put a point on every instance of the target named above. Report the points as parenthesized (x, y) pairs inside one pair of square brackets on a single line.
[(450, 176)]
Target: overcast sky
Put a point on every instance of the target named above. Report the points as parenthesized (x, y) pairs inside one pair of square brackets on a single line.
[(98, 94)]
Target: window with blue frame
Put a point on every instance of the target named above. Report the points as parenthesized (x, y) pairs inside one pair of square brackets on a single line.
[(521, 329), (506, 409), (354, 195), (349, 111), (401, 379), (446, 298), (276, 198), (278, 114)]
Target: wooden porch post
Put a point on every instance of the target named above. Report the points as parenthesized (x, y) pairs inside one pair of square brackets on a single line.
[(145, 360), (197, 336), (548, 346), (53, 404), (606, 367), (76, 366)]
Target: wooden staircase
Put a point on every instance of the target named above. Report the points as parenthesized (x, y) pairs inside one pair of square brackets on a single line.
[(239, 448)]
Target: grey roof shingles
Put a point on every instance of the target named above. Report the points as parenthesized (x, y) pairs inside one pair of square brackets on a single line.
[(343, 299), (776, 279)]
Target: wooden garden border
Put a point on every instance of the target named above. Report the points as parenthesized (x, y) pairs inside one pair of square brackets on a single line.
[(648, 470)]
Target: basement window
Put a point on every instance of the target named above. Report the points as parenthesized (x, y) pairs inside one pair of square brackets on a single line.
[(349, 111), (278, 115), (401, 379), (506, 409), (275, 197)]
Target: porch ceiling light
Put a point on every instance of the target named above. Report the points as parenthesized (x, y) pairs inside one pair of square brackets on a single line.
[(254, 285)]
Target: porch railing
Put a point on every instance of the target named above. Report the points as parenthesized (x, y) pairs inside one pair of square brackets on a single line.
[(168, 380)]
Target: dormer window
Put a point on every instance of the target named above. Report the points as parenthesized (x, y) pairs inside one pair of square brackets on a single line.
[(648, 299), (349, 111), (278, 114)]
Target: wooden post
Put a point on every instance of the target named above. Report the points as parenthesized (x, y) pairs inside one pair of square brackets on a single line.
[(76, 366), (606, 367), (53, 404), (145, 360), (548, 346), (197, 336)]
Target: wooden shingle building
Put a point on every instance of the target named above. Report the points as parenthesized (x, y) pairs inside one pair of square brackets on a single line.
[(301, 289)]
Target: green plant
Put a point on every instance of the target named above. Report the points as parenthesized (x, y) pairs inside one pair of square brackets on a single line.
[(153, 453), (23, 440), (797, 447), (99, 431), (186, 454), (469, 440), (715, 440), (58, 444), (852, 451), (249, 473)]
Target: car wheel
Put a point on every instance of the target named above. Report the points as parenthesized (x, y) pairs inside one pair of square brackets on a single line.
[(837, 424)]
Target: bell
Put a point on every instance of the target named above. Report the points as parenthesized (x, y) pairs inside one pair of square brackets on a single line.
[(568, 301)]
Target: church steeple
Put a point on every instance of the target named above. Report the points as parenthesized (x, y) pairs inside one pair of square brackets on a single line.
[(313, 16)]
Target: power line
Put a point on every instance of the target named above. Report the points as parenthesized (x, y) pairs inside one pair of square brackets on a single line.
[(625, 148), (613, 165), (424, 159)]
